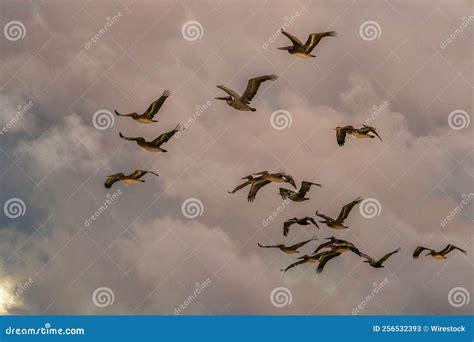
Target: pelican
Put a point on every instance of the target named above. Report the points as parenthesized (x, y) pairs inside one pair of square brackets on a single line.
[(437, 255), (133, 178), (297, 196), (304, 50), (333, 241), (339, 222), (242, 102), (322, 258), (378, 263), (289, 249), (260, 179), (363, 132), (147, 116), (302, 221), (154, 145)]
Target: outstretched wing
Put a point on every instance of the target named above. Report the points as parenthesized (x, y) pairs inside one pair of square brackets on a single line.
[(287, 224), (305, 186), (310, 219), (285, 193), (315, 38), (324, 259), (117, 113), (140, 173), (253, 85), (418, 251), (295, 264), (165, 136), (321, 246), (294, 40), (301, 244), (111, 180), (327, 218), (371, 129), (262, 246), (450, 248), (238, 187), (229, 91), (388, 255), (369, 258), (341, 136), (131, 138), (155, 106), (256, 185), (347, 209)]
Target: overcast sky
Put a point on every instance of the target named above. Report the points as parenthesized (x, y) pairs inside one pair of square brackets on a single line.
[(404, 66)]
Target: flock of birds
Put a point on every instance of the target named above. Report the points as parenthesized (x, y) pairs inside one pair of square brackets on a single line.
[(324, 252)]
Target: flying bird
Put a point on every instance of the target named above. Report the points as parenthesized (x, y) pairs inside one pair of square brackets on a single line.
[(361, 133), (332, 241), (322, 258), (339, 222), (289, 249), (148, 115), (378, 263), (297, 196), (154, 145), (260, 179), (302, 221), (133, 178), (440, 255), (242, 102), (304, 50)]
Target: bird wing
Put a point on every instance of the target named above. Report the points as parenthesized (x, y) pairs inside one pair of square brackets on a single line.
[(371, 129), (305, 186), (140, 173), (165, 136), (287, 224), (131, 138), (238, 187), (259, 245), (256, 185), (155, 106), (294, 40), (388, 255), (310, 219), (324, 259), (229, 91), (117, 113), (321, 246), (347, 209), (253, 85), (111, 180), (295, 264), (327, 218), (286, 193), (315, 38), (341, 136), (367, 257), (301, 244), (418, 250), (450, 248)]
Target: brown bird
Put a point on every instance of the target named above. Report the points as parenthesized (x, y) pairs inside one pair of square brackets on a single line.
[(339, 222), (148, 115), (302, 221), (289, 249), (133, 178), (304, 50), (378, 263), (154, 145), (322, 258), (242, 102), (437, 255), (361, 133), (300, 195), (260, 179), (341, 134), (333, 241)]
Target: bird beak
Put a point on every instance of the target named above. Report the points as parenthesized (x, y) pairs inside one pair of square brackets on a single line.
[(292, 182), (220, 98)]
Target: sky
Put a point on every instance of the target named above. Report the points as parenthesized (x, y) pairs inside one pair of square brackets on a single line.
[(179, 243)]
